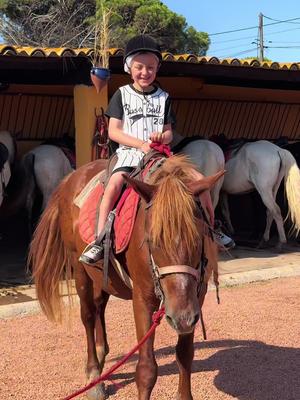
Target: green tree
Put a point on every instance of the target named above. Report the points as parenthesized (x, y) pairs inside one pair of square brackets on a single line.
[(152, 17), (71, 23)]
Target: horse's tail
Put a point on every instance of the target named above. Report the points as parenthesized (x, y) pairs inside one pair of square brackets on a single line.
[(292, 186), (49, 260)]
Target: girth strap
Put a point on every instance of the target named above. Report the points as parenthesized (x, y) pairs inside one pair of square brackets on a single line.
[(107, 246)]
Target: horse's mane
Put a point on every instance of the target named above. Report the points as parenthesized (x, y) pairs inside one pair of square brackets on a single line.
[(173, 224)]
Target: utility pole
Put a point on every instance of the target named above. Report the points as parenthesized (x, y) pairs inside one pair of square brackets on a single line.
[(261, 37)]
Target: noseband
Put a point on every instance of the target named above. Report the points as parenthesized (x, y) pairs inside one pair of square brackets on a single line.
[(159, 272)]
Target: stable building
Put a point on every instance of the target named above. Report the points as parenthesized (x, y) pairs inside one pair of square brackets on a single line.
[(45, 93)]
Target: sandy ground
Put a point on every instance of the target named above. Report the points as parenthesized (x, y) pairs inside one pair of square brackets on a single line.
[(252, 352)]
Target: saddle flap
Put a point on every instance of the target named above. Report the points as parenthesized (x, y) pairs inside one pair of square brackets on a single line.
[(125, 217), (124, 221), (88, 214)]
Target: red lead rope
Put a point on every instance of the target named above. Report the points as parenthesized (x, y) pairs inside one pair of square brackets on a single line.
[(156, 318)]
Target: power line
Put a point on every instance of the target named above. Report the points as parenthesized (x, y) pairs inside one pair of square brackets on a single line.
[(253, 27), (238, 54), (232, 47), (272, 41), (279, 20), (251, 37), (236, 30), (233, 40), (282, 47), (286, 30)]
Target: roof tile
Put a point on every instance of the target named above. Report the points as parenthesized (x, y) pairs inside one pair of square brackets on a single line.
[(190, 58)]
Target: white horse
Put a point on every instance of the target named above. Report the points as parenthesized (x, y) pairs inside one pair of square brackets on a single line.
[(7, 156), (208, 157), (49, 167), (262, 165)]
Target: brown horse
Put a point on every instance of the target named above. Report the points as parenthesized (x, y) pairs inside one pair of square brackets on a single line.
[(169, 232)]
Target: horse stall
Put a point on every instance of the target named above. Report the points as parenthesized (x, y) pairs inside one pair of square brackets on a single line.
[(47, 93), (36, 105)]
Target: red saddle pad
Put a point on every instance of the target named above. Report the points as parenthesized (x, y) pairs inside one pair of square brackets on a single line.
[(124, 220), (125, 215), (87, 215)]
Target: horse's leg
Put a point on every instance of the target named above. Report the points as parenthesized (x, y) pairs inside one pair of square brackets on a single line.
[(101, 337), (184, 358), (84, 287), (146, 369), (266, 236), (274, 210), (215, 193), (29, 211), (225, 211)]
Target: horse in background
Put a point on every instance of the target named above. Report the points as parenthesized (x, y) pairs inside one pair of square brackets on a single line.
[(45, 166), (162, 259), (261, 166), (7, 158), (206, 155)]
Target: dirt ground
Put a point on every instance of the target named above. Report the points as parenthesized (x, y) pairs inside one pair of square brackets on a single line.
[(252, 351)]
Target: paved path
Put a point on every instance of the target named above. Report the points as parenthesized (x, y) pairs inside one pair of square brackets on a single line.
[(252, 351), (240, 266)]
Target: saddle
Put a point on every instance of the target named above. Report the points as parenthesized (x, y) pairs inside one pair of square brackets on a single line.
[(232, 149), (125, 209)]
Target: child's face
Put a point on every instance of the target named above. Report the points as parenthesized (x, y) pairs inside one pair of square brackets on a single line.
[(143, 70)]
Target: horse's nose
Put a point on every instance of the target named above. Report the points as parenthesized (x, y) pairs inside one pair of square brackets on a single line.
[(184, 323)]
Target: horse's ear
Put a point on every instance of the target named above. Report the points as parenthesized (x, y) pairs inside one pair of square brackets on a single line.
[(205, 183), (145, 190)]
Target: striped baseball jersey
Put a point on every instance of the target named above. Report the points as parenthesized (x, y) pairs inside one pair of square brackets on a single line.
[(141, 113)]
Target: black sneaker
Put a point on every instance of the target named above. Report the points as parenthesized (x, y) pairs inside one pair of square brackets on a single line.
[(92, 254)]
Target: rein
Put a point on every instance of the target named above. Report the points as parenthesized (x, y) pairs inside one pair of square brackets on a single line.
[(156, 318)]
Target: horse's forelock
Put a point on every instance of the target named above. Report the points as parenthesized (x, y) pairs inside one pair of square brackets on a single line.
[(173, 210)]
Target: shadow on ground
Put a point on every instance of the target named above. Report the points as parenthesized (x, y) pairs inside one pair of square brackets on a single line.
[(247, 370)]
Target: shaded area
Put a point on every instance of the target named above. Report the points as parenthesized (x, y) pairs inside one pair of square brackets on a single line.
[(13, 251), (247, 370)]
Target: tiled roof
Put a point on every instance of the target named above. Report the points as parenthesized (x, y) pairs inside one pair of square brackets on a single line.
[(190, 58)]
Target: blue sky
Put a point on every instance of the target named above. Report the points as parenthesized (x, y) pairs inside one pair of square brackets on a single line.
[(282, 39)]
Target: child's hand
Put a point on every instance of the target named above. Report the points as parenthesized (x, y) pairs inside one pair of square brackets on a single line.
[(145, 147), (156, 137)]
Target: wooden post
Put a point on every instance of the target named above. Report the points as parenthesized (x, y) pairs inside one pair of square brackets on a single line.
[(86, 102)]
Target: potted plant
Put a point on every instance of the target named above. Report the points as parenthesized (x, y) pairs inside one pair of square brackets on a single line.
[(100, 70)]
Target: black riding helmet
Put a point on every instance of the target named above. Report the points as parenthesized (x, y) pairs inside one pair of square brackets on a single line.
[(140, 44)]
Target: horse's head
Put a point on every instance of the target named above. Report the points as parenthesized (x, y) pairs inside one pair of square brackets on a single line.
[(174, 230)]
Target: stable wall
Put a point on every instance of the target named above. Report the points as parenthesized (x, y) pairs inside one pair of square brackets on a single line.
[(35, 113), (206, 110)]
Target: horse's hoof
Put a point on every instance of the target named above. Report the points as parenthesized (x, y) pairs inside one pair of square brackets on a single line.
[(280, 247), (263, 244), (97, 392)]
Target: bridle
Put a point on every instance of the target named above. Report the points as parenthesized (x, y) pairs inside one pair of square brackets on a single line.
[(159, 273)]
